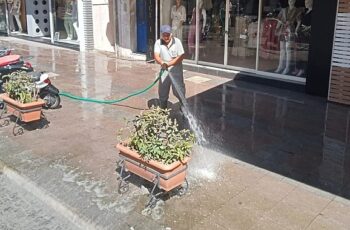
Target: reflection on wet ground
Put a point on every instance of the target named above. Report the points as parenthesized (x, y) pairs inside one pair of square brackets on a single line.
[(290, 133), (293, 134)]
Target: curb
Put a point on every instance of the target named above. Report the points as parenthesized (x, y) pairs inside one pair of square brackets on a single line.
[(30, 187)]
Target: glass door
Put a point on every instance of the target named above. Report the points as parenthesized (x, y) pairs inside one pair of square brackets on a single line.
[(243, 33), (65, 21), (213, 30), (3, 19)]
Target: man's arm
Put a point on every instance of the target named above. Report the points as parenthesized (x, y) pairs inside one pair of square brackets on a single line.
[(157, 58), (176, 60)]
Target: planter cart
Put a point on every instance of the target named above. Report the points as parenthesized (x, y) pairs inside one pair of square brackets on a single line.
[(26, 113), (164, 177)]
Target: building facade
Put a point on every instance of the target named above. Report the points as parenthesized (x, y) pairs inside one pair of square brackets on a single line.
[(284, 40), (83, 24)]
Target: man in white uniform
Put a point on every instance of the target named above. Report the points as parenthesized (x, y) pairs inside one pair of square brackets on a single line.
[(169, 53)]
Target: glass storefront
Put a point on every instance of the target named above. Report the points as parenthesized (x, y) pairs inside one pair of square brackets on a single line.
[(66, 20), (3, 20), (261, 36), (35, 18)]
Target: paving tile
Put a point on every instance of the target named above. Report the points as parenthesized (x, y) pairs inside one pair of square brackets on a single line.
[(323, 223), (253, 200), (242, 174), (338, 212), (209, 224), (200, 202), (264, 195), (197, 79), (235, 216), (289, 215), (264, 224), (273, 187), (307, 200)]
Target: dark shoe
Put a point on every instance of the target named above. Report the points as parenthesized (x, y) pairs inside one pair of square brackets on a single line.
[(163, 104)]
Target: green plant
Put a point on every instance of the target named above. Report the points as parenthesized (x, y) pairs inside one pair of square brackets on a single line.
[(20, 87), (155, 136)]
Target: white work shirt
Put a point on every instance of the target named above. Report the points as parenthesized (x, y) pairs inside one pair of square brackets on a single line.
[(168, 53)]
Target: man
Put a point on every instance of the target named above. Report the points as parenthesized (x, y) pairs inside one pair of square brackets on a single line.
[(169, 53)]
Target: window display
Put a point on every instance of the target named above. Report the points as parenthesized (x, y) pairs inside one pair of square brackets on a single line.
[(66, 21), (245, 34), (178, 17), (284, 42), (14, 8), (230, 32), (3, 24), (212, 31)]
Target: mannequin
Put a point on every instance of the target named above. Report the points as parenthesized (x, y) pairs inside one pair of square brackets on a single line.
[(306, 20), (178, 17), (68, 20), (289, 17), (204, 14), (15, 11), (304, 34), (192, 31), (207, 4), (75, 18)]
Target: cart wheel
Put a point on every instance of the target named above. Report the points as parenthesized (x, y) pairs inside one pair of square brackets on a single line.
[(5, 123), (123, 187), (18, 132), (147, 211), (183, 189), (152, 202)]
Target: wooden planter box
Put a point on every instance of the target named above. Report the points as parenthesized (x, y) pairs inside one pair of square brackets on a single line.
[(171, 176), (25, 112)]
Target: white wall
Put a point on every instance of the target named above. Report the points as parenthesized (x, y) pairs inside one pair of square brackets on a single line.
[(165, 11), (127, 27), (104, 29)]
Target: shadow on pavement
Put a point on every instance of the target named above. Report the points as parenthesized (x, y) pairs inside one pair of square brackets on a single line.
[(287, 132)]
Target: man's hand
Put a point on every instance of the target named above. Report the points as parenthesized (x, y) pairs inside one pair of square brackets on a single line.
[(164, 66)]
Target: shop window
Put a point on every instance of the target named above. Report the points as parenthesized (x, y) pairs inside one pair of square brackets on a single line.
[(285, 36), (3, 24), (66, 20), (243, 33)]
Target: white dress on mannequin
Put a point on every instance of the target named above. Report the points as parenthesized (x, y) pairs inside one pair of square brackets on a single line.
[(68, 19), (178, 16), (15, 11), (75, 18), (290, 19)]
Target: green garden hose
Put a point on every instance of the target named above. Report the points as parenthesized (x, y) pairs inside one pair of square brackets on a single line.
[(71, 96)]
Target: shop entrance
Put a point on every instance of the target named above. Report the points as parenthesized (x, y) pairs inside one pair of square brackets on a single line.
[(268, 38), (142, 25)]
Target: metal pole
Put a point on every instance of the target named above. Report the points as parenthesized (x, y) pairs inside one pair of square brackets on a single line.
[(156, 30), (52, 29), (7, 18), (226, 32), (116, 22), (197, 32), (258, 38)]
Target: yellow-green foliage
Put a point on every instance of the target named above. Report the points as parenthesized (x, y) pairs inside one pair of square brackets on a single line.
[(155, 136), (20, 87)]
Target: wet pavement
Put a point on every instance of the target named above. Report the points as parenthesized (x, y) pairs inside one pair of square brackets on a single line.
[(22, 210), (268, 150), (298, 136)]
